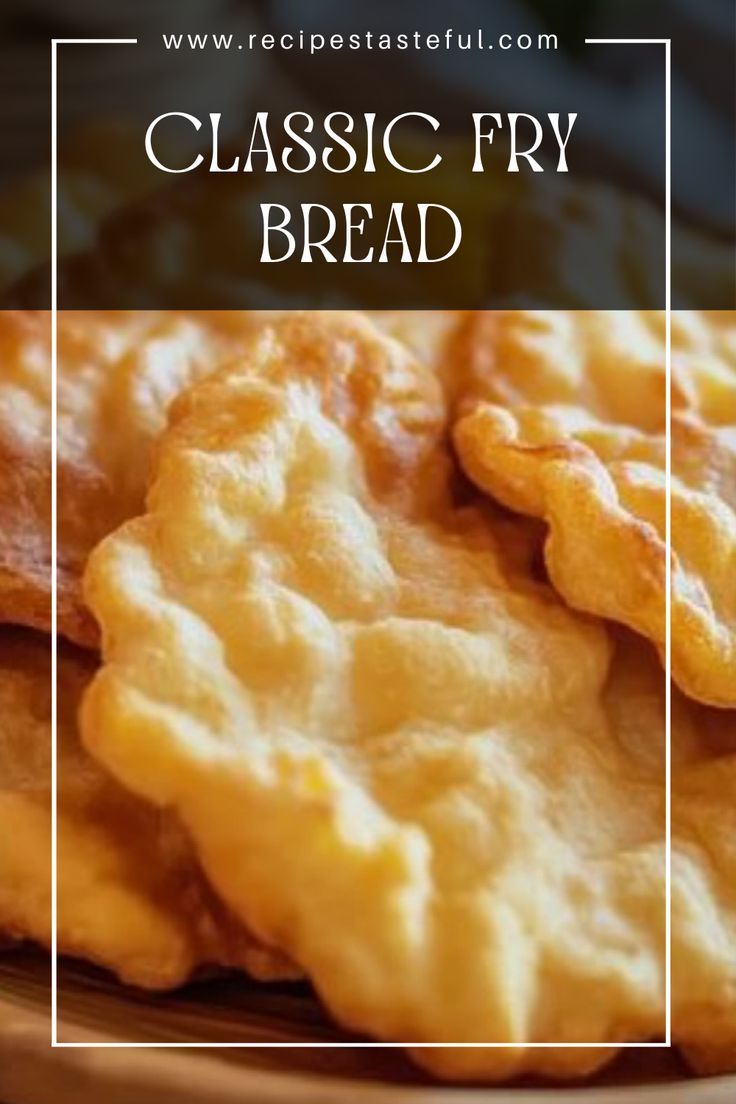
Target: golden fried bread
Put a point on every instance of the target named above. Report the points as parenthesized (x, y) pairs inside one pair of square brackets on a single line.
[(130, 895), (25, 468), (428, 334), (117, 373), (704, 364), (563, 417), (703, 858), (704, 912), (400, 758)]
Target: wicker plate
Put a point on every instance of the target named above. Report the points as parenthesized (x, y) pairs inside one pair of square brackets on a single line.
[(94, 1008)]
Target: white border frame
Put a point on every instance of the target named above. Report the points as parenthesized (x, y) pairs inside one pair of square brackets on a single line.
[(667, 43), (55, 1042)]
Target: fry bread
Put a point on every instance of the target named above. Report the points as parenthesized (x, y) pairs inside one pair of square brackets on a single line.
[(117, 373), (564, 420), (427, 334), (704, 897), (130, 895), (453, 785), (25, 489)]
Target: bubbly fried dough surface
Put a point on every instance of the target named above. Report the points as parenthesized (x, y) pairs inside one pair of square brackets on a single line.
[(130, 895), (117, 373), (25, 472), (401, 760), (428, 334), (704, 895), (564, 419)]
